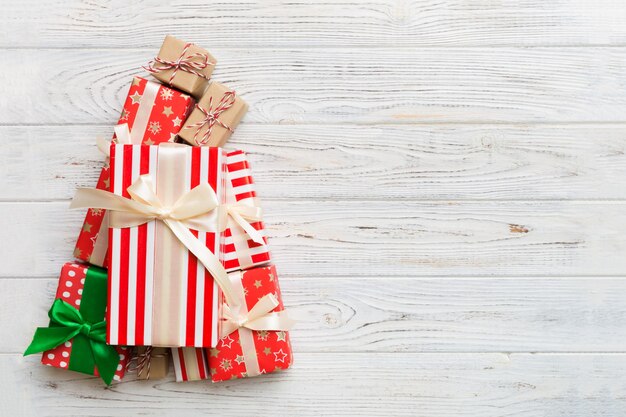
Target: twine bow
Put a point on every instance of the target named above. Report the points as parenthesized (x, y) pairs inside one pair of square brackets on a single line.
[(187, 63), (142, 362), (191, 211), (66, 323), (259, 317), (212, 117)]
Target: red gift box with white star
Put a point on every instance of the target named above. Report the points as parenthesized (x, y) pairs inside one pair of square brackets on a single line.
[(227, 361), (154, 114), (241, 252), (70, 290)]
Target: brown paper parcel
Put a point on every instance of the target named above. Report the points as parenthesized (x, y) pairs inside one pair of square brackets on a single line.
[(214, 118), (172, 51), (152, 362)]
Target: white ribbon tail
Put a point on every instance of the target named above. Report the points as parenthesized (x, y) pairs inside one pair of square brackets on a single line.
[(122, 135), (254, 234), (206, 257)]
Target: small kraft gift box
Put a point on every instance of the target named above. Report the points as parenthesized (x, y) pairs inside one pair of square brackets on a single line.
[(150, 362), (255, 339), (182, 65), (165, 244), (153, 114), (214, 118), (75, 338)]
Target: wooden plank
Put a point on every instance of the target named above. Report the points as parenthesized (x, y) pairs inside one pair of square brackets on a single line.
[(340, 85), (115, 24), (409, 314), (364, 238), (485, 385), (429, 162)]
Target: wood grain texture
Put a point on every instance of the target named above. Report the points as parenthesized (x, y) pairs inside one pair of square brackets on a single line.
[(426, 162), (410, 314), (364, 238), (429, 385), (117, 23), (443, 183), (340, 85)]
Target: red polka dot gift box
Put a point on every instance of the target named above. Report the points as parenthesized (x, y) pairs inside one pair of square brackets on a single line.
[(154, 114), (75, 337), (243, 352)]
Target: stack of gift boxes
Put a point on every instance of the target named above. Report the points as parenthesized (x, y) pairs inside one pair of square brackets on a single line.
[(172, 258)]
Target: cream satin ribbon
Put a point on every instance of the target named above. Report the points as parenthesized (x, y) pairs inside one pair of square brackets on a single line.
[(191, 210), (243, 215), (259, 317), (122, 136)]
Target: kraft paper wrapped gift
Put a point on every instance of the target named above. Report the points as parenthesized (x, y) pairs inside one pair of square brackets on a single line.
[(75, 338), (151, 362), (244, 352), (165, 244), (214, 118), (154, 114), (182, 65)]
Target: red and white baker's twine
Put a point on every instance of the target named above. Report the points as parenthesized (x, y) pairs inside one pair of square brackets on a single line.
[(211, 117), (142, 361), (187, 63)]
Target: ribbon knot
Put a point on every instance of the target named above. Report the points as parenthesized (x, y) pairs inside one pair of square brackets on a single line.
[(191, 63), (66, 323), (85, 329), (193, 210), (164, 213), (212, 117), (259, 317)]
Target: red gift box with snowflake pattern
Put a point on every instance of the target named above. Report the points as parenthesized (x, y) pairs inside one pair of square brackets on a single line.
[(272, 349), (72, 281), (154, 114)]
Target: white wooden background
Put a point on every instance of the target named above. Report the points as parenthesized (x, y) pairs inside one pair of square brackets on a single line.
[(444, 182)]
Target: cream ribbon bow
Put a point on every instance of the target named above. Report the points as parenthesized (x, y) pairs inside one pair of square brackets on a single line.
[(122, 136), (243, 215), (259, 317), (191, 210)]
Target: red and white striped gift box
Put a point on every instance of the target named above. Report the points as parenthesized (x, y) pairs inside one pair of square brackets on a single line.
[(241, 252), (159, 294), (154, 114), (190, 364)]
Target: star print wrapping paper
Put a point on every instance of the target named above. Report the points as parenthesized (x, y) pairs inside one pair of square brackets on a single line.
[(154, 114), (227, 360), (240, 251), (76, 278), (159, 294)]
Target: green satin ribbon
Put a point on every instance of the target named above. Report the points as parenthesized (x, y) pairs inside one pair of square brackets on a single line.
[(86, 327)]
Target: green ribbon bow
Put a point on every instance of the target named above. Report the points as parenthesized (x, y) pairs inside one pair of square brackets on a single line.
[(89, 344)]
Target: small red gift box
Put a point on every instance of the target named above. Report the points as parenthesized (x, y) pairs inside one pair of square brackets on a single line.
[(84, 288), (244, 352), (154, 114)]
